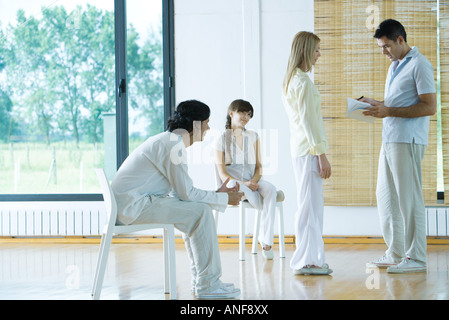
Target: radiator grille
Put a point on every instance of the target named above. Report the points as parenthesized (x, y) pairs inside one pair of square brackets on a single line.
[(51, 219), (437, 221), (29, 219)]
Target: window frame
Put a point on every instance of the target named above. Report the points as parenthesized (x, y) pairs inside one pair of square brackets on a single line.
[(121, 96)]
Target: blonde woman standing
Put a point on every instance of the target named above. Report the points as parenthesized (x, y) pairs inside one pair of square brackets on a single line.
[(308, 145)]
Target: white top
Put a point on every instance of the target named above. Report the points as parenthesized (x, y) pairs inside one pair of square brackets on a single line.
[(240, 163), (302, 102), (413, 76), (158, 167)]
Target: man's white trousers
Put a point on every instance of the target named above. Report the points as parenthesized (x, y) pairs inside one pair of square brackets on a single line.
[(195, 220), (400, 200)]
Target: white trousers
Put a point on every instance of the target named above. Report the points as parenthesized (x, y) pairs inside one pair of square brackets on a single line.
[(264, 200), (400, 200), (309, 217), (196, 222)]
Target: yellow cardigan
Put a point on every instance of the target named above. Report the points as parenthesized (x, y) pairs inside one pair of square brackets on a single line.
[(302, 103)]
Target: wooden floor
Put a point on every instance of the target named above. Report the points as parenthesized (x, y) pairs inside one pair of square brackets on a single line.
[(47, 271)]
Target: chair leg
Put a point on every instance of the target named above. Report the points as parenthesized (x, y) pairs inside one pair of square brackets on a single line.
[(97, 268), (105, 245), (166, 262), (281, 231), (242, 234), (256, 232), (170, 263)]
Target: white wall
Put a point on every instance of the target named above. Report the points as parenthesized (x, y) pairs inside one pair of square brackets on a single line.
[(230, 49)]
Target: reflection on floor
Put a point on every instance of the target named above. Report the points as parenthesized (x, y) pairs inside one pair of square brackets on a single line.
[(65, 271)]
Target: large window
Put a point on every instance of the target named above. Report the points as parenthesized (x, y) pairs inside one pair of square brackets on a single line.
[(81, 84)]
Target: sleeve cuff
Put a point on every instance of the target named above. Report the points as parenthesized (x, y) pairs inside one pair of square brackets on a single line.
[(222, 202), (320, 148)]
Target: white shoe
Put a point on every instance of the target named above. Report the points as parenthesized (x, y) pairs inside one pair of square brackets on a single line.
[(223, 292), (267, 254), (383, 262), (307, 270), (408, 265), (225, 284)]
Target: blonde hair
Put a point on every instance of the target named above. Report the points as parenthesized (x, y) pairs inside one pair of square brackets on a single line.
[(301, 55)]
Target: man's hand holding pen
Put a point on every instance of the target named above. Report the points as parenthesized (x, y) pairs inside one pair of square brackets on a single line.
[(377, 109)]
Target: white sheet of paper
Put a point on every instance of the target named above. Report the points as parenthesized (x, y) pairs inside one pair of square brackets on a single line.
[(355, 110)]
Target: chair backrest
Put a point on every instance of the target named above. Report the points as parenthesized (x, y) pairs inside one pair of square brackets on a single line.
[(108, 196)]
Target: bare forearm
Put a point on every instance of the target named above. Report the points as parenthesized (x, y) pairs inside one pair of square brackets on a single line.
[(420, 109), (257, 175), (425, 107)]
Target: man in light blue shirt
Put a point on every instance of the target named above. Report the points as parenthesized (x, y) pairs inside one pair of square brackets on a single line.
[(409, 101)]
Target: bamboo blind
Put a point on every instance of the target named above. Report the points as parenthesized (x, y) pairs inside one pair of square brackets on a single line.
[(444, 85), (351, 65)]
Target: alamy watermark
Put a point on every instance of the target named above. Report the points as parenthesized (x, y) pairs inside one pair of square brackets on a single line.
[(73, 277), (204, 152), (373, 19), (373, 280)]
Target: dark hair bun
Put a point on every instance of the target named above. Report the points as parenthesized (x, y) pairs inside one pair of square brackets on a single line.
[(186, 113)]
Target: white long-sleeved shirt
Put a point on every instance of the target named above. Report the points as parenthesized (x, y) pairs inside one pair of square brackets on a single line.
[(158, 168), (302, 103)]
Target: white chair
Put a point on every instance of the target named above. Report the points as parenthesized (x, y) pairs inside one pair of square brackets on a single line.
[(110, 228), (243, 206)]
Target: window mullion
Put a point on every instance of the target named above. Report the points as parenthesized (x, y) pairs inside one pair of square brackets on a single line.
[(121, 82)]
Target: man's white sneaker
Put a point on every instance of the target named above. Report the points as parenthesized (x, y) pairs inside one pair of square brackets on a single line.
[(223, 292), (225, 284), (408, 265), (383, 262)]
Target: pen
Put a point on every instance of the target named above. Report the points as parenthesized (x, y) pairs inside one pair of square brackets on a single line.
[(360, 98)]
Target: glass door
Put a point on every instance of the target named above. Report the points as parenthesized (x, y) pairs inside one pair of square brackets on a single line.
[(61, 114), (144, 70), (57, 71)]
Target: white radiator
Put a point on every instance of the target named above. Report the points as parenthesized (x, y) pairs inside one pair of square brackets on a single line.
[(51, 218), (437, 221), (55, 219), (28, 219)]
